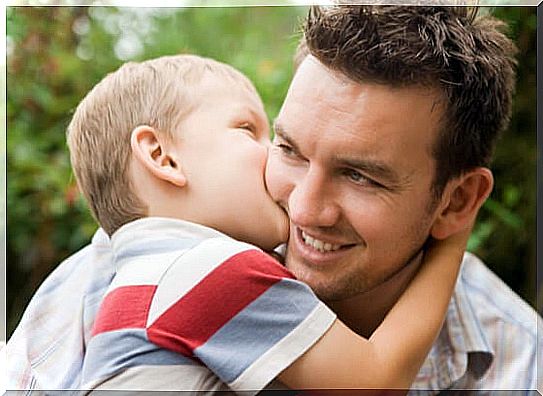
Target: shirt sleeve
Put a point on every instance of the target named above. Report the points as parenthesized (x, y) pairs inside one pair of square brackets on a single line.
[(238, 311)]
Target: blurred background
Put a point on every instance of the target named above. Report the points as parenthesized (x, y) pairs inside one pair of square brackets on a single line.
[(56, 54)]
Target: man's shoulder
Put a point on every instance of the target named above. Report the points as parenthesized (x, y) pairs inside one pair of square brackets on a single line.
[(44, 345), (489, 340), (85, 272), (86, 266), (488, 320), (493, 300)]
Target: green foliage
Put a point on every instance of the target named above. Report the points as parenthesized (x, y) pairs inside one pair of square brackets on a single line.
[(59, 53), (505, 233)]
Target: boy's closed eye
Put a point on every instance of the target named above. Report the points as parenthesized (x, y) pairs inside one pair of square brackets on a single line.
[(249, 127), (254, 131)]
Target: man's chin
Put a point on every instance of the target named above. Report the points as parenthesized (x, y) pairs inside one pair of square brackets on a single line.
[(327, 288)]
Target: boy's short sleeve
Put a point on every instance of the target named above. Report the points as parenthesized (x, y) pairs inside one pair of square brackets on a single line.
[(236, 310)]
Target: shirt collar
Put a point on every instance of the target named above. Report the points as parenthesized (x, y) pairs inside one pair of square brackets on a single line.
[(100, 238), (156, 235), (461, 348)]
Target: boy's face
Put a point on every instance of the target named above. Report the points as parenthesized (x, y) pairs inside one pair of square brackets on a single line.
[(223, 148)]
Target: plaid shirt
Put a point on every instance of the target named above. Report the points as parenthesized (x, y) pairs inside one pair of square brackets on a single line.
[(47, 348), (489, 340)]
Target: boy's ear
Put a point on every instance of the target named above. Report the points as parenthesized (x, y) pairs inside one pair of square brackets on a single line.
[(150, 151), (461, 201)]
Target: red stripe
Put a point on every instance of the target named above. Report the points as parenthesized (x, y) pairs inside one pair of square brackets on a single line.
[(223, 293), (125, 307)]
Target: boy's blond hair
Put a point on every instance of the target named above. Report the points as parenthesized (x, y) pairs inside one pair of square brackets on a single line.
[(158, 93)]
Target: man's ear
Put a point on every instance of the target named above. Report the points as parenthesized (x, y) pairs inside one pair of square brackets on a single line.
[(150, 151), (461, 201)]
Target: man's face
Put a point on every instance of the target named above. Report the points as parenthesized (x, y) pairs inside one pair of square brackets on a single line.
[(352, 165)]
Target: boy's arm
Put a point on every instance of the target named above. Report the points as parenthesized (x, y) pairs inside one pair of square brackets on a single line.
[(392, 357)]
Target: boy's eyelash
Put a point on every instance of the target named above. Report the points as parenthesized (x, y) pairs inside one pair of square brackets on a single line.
[(248, 126)]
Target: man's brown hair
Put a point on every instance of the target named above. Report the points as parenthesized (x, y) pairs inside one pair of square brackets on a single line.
[(159, 93), (465, 55)]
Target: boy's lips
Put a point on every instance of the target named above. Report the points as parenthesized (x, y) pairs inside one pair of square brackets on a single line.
[(318, 251)]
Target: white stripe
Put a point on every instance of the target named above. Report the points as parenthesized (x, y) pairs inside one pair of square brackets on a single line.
[(144, 270), (189, 270), (286, 351), (162, 378)]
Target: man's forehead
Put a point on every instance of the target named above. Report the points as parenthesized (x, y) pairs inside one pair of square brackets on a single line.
[(311, 66), (359, 119)]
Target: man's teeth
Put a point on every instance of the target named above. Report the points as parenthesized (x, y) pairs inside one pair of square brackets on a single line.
[(319, 245)]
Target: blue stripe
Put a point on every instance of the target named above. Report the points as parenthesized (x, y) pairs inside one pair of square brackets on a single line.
[(111, 352), (257, 328), (154, 246)]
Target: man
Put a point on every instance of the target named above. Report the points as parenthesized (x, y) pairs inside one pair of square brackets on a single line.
[(364, 164), (384, 139)]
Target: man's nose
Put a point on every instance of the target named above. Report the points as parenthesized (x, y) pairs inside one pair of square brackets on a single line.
[(311, 201)]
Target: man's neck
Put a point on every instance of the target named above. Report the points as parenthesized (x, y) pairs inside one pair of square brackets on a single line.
[(365, 312)]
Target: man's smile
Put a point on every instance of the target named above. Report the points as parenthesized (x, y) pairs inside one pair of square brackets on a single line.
[(318, 244), (318, 250)]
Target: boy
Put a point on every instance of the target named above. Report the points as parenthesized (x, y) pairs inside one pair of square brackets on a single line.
[(170, 154)]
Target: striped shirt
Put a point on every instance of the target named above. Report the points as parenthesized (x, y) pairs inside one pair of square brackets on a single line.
[(187, 299), (46, 349), (489, 341)]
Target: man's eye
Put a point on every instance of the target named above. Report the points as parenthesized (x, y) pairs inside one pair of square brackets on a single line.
[(285, 149), (358, 177)]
